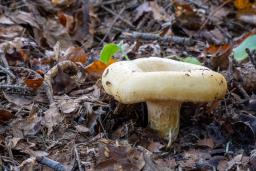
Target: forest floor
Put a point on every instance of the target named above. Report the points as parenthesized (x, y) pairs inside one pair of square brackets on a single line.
[(55, 114)]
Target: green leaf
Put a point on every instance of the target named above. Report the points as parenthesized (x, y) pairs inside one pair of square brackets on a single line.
[(191, 60), (108, 51), (240, 53)]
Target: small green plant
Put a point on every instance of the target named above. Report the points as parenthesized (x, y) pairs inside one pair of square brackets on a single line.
[(110, 49), (189, 59)]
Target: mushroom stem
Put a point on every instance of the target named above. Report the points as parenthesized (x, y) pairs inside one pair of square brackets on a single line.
[(164, 116)]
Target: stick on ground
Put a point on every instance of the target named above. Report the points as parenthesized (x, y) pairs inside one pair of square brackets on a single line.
[(151, 36)]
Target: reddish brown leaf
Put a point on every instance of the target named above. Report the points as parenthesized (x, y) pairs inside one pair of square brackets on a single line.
[(97, 67), (5, 115), (34, 83)]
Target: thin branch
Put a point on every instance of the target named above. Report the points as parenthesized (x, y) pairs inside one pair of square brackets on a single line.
[(51, 163), (112, 24), (150, 36), (14, 89), (8, 72), (78, 159)]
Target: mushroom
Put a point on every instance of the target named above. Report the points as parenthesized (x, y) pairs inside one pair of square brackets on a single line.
[(164, 84)]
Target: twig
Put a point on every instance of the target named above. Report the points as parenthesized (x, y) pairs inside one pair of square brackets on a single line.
[(150, 36), (252, 56), (6, 65), (51, 163), (4, 60), (102, 127), (13, 89), (106, 3), (120, 17), (8, 72), (112, 24), (78, 159)]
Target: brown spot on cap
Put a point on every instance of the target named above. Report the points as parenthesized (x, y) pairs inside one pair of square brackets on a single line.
[(106, 73), (108, 83)]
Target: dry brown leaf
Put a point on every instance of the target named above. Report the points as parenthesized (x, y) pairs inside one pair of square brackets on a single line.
[(28, 126), (82, 129), (68, 106), (158, 12), (222, 166), (63, 82), (55, 32), (52, 118), (155, 147), (119, 157), (23, 101), (219, 55), (186, 16), (206, 142), (10, 32), (76, 54)]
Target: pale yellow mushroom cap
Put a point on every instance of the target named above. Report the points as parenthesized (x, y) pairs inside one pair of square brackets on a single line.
[(154, 78)]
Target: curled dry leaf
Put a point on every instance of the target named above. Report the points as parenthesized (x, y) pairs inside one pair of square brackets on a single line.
[(219, 55)]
